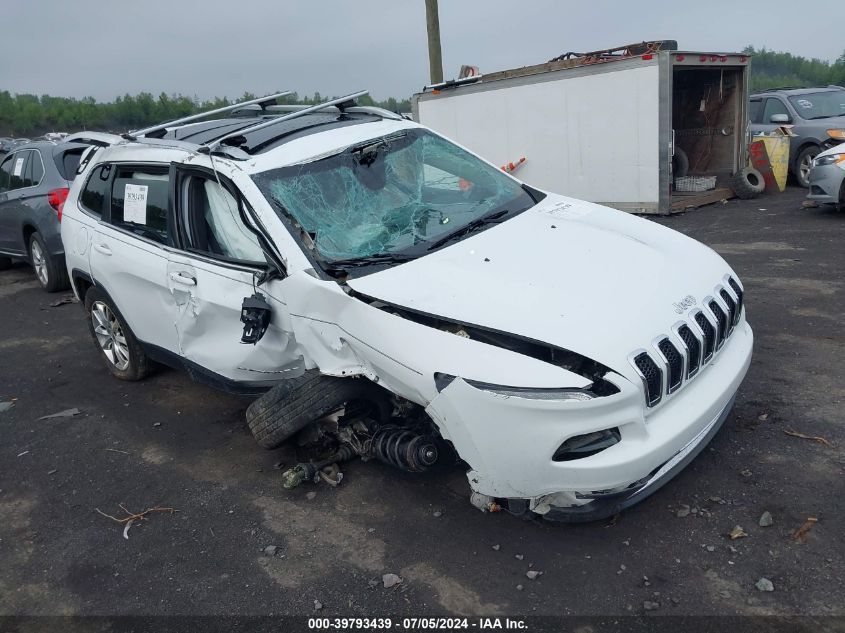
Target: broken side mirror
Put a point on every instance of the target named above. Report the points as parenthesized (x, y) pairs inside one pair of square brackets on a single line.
[(255, 315)]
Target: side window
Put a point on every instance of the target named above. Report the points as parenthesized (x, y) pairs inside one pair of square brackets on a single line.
[(6, 174), (774, 106), (139, 201), (16, 179), (755, 109), (69, 161), (213, 225), (34, 170), (93, 196)]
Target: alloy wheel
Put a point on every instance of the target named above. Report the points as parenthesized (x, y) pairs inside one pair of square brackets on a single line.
[(805, 167), (39, 263), (110, 335)]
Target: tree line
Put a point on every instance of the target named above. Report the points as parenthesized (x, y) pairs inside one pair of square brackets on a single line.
[(29, 115), (770, 69), (26, 115)]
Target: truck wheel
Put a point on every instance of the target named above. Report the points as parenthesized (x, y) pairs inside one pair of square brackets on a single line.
[(5, 262), (803, 165), (295, 403), (51, 274), (748, 183), (680, 163), (116, 343)]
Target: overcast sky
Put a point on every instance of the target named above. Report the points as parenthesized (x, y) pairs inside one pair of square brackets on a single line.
[(226, 47)]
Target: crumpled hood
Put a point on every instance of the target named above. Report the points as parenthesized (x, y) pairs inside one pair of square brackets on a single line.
[(574, 274)]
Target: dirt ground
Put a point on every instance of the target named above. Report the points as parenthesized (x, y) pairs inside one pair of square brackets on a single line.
[(170, 442)]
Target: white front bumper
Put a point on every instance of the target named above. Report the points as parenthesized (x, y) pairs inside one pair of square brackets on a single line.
[(509, 441)]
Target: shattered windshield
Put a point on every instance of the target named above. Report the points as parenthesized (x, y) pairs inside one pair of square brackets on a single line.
[(390, 194), (820, 105)]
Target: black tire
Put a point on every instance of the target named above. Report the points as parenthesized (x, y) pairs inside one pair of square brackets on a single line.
[(748, 183), (5, 262), (680, 163), (138, 366), (51, 274), (840, 206), (295, 403), (803, 163)]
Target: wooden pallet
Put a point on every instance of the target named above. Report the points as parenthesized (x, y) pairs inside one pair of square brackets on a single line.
[(682, 200)]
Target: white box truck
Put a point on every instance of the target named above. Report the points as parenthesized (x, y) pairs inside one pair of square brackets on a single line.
[(616, 127)]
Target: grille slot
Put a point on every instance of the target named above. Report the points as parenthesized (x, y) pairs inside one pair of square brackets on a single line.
[(652, 377), (738, 292), (709, 336), (693, 350), (674, 364), (732, 312), (722, 320)]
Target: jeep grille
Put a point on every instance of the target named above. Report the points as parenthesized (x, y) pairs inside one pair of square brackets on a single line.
[(692, 346)]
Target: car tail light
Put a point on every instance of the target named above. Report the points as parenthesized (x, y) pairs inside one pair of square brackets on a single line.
[(57, 198)]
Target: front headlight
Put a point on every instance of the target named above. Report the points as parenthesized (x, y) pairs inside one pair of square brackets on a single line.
[(837, 134), (830, 159), (530, 393)]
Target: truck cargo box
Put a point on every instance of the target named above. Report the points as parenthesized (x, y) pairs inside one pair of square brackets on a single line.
[(654, 132)]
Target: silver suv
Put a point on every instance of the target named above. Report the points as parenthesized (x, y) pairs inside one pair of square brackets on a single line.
[(816, 114)]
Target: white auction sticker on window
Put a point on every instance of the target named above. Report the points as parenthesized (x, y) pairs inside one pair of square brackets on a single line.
[(135, 204), (18, 166)]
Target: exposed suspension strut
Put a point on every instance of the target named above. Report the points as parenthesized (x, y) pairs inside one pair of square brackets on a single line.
[(392, 445), (404, 449)]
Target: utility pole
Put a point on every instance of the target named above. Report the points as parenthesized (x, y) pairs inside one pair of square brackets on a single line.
[(435, 61)]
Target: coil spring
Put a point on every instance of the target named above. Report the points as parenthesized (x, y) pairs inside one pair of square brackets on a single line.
[(404, 449)]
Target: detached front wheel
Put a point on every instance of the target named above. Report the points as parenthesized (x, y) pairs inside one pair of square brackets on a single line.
[(295, 403), (118, 346)]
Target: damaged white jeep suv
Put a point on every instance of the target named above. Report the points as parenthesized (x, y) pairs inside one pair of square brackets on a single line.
[(399, 298)]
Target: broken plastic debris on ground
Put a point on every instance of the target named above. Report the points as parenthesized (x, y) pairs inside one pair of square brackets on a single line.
[(67, 413)]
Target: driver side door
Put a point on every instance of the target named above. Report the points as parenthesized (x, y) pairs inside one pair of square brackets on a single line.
[(219, 263)]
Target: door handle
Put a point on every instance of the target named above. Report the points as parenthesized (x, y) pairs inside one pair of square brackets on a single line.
[(102, 248), (184, 279)]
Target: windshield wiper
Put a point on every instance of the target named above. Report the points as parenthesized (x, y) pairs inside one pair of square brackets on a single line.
[(378, 258), (493, 218)]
